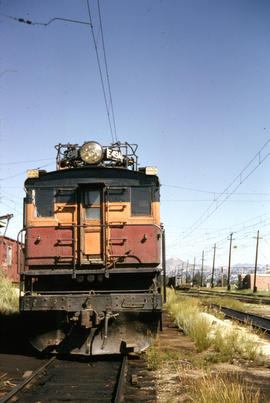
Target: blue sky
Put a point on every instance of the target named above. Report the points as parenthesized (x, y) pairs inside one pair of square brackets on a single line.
[(190, 84)]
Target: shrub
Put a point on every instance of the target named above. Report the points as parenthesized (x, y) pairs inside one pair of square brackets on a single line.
[(225, 389), (9, 300), (227, 342)]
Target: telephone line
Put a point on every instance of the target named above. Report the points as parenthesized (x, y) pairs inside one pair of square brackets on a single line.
[(227, 192)]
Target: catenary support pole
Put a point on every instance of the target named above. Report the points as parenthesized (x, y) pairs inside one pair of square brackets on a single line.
[(213, 267), (256, 262), (229, 266)]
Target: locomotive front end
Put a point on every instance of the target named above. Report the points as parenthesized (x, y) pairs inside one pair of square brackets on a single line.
[(90, 275)]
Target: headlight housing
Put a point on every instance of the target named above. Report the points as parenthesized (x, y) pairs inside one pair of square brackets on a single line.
[(91, 152)]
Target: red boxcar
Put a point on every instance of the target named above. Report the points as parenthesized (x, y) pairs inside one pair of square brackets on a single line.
[(8, 258)]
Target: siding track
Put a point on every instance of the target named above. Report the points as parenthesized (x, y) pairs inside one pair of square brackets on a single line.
[(243, 298), (73, 380)]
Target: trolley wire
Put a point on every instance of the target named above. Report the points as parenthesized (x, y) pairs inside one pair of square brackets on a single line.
[(22, 172), (106, 68), (111, 119), (100, 70), (45, 24), (26, 162), (229, 190)]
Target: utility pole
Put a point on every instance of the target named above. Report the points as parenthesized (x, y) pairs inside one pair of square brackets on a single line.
[(213, 267), (193, 271), (202, 268), (187, 270), (222, 277), (5, 217), (229, 266), (182, 270), (256, 261)]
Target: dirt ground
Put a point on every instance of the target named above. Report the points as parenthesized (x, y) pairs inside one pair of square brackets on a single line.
[(174, 381)]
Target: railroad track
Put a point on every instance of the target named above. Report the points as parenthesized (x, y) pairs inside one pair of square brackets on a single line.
[(243, 298), (258, 321), (73, 380)]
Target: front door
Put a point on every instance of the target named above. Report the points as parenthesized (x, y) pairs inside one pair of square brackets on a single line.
[(91, 229)]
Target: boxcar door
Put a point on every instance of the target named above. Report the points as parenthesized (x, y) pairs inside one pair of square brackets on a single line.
[(91, 230)]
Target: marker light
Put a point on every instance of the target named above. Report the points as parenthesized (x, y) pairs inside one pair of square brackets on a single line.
[(151, 171), (91, 152), (32, 173)]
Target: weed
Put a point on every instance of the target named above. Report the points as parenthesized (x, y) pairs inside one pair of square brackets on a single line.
[(9, 300), (228, 302), (187, 314), (156, 358), (153, 357), (227, 343), (225, 389), (199, 331)]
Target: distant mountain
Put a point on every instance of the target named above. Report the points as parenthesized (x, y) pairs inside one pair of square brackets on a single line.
[(174, 265)]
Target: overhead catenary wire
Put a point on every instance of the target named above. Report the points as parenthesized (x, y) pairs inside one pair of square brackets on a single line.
[(209, 200), (22, 172), (26, 162), (106, 68), (229, 190), (215, 192), (241, 234), (90, 24), (100, 70), (45, 24)]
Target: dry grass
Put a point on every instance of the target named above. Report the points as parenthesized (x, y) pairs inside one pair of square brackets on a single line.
[(223, 389), (187, 314), (182, 376), (5, 383), (228, 302), (155, 357), (233, 343), (188, 373), (227, 343), (9, 300)]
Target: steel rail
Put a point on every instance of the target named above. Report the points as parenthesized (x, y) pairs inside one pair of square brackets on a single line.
[(243, 298), (19, 387), (120, 381), (260, 322)]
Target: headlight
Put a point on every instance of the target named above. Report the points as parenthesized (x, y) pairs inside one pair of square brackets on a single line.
[(91, 152)]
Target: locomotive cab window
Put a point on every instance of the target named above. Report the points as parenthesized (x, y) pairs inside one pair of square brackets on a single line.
[(92, 204), (141, 201), (118, 195), (44, 202), (66, 196)]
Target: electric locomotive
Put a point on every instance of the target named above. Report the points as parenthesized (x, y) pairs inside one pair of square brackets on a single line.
[(90, 270)]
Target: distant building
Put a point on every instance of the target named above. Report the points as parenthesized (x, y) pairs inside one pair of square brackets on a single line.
[(8, 258), (247, 281)]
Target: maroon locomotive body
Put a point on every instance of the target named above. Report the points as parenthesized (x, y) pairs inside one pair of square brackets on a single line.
[(91, 274)]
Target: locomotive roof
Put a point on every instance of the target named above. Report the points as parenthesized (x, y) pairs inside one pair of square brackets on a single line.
[(95, 175)]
